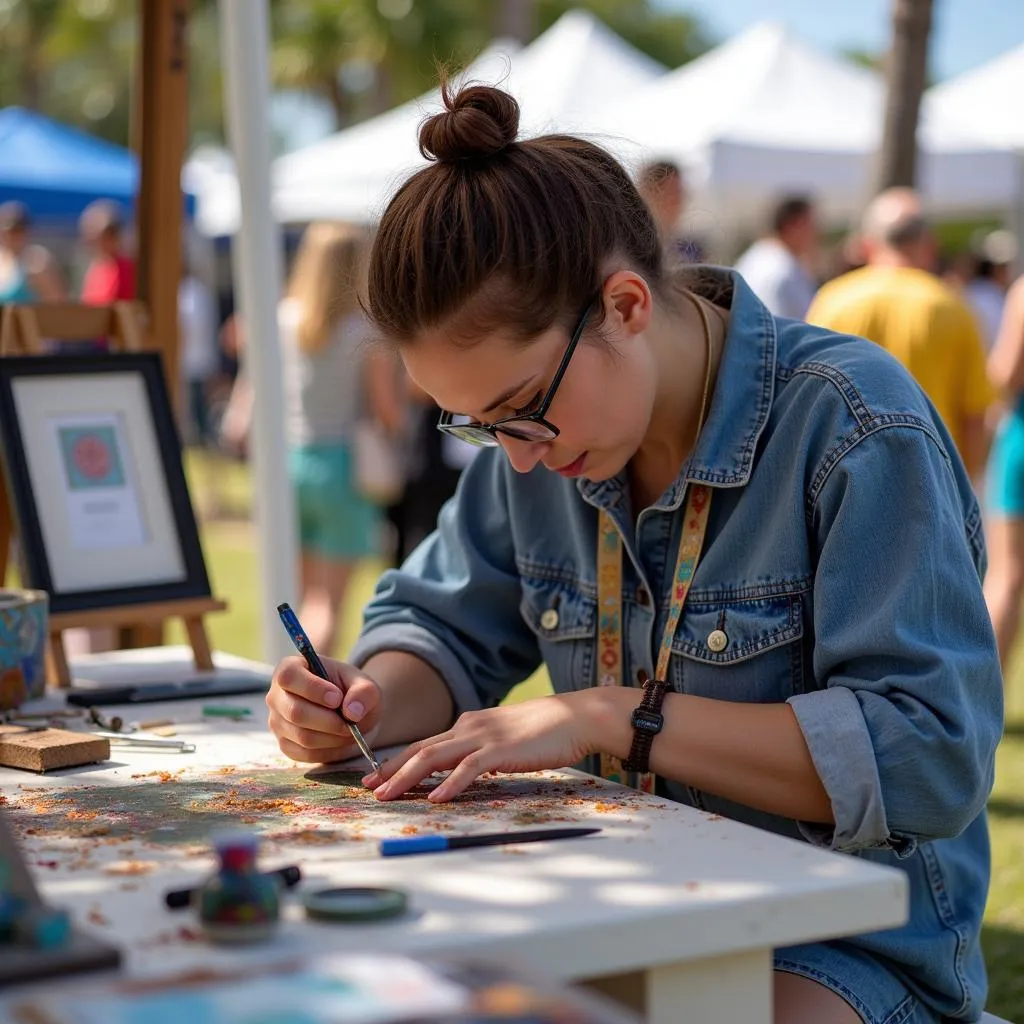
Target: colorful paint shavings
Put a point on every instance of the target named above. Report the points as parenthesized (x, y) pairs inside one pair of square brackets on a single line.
[(168, 814), (130, 867), (96, 915)]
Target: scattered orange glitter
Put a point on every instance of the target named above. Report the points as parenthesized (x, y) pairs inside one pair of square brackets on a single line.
[(94, 832), (253, 804), (130, 867), (95, 916)]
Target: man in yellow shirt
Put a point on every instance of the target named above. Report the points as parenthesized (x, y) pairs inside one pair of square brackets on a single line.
[(896, 302)]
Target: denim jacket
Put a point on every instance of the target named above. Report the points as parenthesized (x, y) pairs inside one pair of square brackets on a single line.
[(843, 561)]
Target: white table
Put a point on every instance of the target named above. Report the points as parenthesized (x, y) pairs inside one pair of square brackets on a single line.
[(668, 908)]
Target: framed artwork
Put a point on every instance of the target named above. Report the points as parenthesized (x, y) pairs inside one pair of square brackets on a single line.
[(94, 473)]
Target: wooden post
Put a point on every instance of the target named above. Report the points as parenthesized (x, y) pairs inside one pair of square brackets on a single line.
[(161, 133), (160, 126)]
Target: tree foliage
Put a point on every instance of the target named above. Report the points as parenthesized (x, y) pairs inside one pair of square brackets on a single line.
[(75, 59)]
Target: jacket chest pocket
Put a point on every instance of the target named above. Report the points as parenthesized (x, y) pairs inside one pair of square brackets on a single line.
[(748, 651), (564, 619)]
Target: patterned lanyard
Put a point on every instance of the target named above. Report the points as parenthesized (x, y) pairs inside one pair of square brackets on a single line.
[(609, 599), (609, 581)]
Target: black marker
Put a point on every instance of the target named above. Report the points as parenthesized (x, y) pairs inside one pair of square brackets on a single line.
[(180, 898)]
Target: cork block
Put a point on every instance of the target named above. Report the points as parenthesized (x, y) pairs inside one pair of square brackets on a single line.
[(44, 750)]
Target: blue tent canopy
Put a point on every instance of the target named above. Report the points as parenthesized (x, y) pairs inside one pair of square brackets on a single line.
[(56, 170)]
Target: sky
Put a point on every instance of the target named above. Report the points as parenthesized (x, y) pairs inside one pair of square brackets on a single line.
[(965, 33)]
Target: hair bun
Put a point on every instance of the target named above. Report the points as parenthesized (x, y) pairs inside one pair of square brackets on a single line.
[(478, 121)]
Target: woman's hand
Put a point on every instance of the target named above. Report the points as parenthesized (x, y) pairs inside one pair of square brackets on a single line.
[(549, 732), (304, 710)]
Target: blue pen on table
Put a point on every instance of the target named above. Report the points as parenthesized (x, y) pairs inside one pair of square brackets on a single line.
[(304, 646), (436, 843)]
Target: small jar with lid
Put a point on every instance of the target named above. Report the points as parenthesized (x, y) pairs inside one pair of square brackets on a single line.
[(238, 904)]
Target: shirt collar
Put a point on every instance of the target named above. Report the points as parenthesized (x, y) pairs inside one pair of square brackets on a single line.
[(744, 389), (740, 403)]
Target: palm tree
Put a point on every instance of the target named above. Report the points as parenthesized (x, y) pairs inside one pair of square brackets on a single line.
[(906, 73), (516, 20)]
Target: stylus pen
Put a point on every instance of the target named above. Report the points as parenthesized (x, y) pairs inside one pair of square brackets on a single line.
[(316, 666), (435, 843)]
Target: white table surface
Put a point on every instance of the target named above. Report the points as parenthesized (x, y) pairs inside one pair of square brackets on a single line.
[(668, 907)]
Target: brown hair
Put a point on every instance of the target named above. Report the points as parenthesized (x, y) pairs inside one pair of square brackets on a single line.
[(788, 210), (325, 281), (656, 173), (500, 234)]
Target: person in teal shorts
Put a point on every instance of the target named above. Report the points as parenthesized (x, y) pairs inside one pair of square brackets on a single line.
[(1004, 586), (332, 381)]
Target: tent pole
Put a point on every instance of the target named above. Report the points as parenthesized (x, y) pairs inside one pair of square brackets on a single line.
[(256, 252)]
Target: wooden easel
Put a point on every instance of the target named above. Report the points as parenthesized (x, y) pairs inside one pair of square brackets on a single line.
[(24, 328), (22, 331)]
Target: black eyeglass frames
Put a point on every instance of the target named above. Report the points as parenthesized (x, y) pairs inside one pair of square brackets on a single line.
[(529, 426)]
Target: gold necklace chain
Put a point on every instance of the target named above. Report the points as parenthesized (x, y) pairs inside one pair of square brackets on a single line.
[(707, 372)]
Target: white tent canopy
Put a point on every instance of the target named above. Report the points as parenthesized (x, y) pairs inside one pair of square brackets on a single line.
[(561, 79), (764, 114), (989, 98), (209, 174)]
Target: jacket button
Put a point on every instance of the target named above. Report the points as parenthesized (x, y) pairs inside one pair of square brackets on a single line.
[(549, 619), (717, 640)]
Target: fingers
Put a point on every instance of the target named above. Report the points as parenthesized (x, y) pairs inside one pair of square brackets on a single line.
[(305, 711), (421, 760), (468, 770), (292, 676), (362, 697), (387, 770), (300, 700), (310, 738), (290, 714), (348, 688), (300, 753)]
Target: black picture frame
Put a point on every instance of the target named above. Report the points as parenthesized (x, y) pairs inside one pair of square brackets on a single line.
[(37, 561)]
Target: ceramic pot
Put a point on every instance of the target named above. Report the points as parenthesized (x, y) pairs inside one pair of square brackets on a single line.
[(24, 618)]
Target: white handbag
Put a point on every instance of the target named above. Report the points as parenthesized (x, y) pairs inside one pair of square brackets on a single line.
[(379, 470)]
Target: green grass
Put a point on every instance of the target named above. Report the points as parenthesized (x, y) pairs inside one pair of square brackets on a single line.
[(228, 544), (1003, 937), (231, 562)]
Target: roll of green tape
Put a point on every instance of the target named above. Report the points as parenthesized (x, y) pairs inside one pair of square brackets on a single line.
[(355, 904)]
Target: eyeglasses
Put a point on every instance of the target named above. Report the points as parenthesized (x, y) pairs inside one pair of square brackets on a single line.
[(529, 426)]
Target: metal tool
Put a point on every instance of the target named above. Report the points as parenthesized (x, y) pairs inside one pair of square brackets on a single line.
[(121, 739)]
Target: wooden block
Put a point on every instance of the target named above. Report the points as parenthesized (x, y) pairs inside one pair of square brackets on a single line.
[(46, 749)]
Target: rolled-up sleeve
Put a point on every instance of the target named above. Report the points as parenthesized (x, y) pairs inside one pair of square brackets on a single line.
[(904, 728), (455, 602)]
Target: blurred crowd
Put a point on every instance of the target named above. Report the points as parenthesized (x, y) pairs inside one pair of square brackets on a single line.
[(30, 273), (369, 471)]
